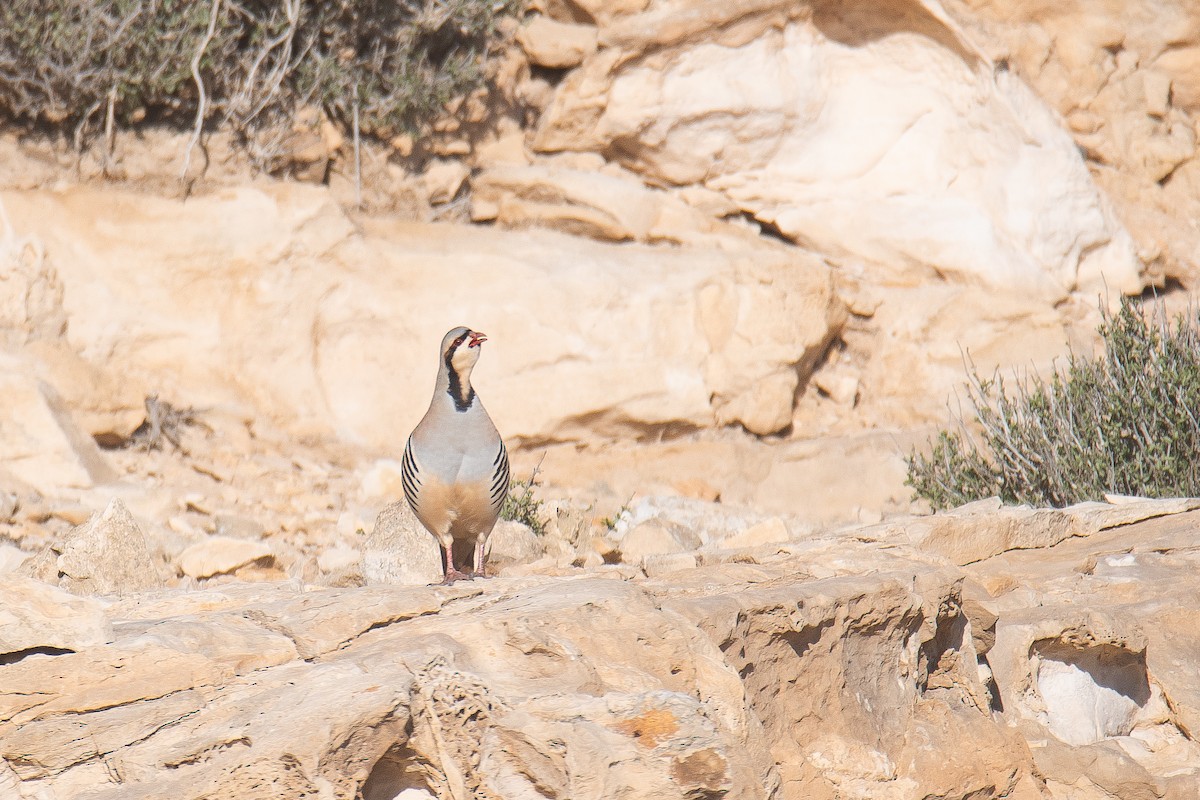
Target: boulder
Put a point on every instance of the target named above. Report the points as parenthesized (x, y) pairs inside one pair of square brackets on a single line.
[(36, 617), (736, 680), (556, 45), (108, 554), (1127, 86), (400, 551), (512, 543)]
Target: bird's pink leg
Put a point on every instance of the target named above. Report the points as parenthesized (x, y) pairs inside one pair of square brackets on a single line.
[(479, 559), (452, 574)]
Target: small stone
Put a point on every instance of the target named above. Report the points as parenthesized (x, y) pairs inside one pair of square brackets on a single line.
[(771, 531), (841, 384), (512, 543), (443, 178), (506, 149), (588, 559), (400, 550), (220, 554), (180, 524), (403, 144), (195, 501), (336, 559), (1157, 86), (656, 537), (669, 562), (107, 555)]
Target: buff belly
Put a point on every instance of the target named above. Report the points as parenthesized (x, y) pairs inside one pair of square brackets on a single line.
[(461, 512)]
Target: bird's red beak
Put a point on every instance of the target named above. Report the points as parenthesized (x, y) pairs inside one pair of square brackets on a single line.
[(476, 339)]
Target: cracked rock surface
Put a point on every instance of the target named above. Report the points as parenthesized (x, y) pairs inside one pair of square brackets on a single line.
[(836, 665)]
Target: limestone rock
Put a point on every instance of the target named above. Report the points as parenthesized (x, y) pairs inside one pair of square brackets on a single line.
[(693, 685), (843, 150), (512, 543), (217, 555), (1127, 84), (609, 205), (771, 531), (40, 444), (981, 530), (11, 558), (36, 616), (656, 537), (443, 178), (557, 45), (400, 551), (108, 554), (1088, 634), (835, 661), (715, 336)]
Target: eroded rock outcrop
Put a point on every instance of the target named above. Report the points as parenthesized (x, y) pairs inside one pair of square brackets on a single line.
[(822, 666), (1124, 77), (330, 327), (715, 683), (872, 132)]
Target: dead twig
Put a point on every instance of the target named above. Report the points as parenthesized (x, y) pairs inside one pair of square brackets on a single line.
[(202, 99), (164, 422)]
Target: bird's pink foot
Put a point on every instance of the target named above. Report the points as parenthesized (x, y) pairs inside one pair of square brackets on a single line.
[(453, 575)]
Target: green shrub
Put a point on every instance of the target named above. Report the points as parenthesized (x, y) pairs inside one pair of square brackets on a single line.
[(521, 506), (1123, 423), (73, 62)]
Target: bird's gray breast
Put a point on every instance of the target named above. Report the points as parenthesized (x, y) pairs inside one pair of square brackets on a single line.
[(461, 449)]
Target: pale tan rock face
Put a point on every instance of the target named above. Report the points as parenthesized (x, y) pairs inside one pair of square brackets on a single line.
[(738, 680), (310, 322), (879, 134), (1092, 644), (1124, 77)]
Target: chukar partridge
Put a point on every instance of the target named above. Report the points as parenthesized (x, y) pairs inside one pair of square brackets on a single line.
[(455, 468)]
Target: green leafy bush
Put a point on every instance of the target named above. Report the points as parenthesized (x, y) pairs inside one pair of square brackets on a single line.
[(1123, 423), (75, 62)]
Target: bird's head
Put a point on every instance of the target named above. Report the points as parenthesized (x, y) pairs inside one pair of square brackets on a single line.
[(460, 349)]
